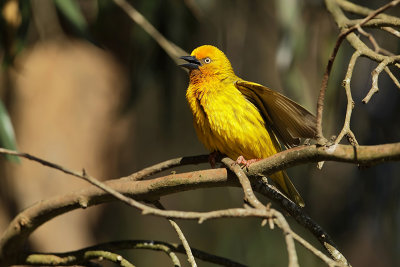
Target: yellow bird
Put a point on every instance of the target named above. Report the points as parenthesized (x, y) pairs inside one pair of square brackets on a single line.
[(243, 119)]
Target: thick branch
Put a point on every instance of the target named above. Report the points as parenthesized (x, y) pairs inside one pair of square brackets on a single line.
[(28, 220), (363, 155)]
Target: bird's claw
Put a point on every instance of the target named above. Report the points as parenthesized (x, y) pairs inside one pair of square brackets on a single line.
[(242, 161)]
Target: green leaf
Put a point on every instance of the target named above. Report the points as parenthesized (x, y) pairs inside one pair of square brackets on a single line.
[(7, 136)]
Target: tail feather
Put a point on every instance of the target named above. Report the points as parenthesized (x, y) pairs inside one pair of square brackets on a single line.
[(286, 186)]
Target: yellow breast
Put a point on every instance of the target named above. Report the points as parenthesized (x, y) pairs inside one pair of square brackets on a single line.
[(227, 122)]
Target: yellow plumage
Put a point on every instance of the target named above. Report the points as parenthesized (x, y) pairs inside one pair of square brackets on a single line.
[(227, 113), (226, 122)]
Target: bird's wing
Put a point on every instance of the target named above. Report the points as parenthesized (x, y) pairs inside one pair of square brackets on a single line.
[(288, 120)]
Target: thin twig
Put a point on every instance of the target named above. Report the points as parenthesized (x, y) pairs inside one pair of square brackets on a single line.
[(86, 177), (350, 101), (181, 236), (392, 31), (364, 11), (28, 220), (375, 75), (345, 32), (317, 252), (281, 222), (166, 165), (377, 12), (250, 197), (303, 219), (391, 75), (189, 254), (374, 43), (72, 257), (76, 258), (81, 256)]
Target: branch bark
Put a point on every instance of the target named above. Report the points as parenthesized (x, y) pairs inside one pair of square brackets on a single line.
[(347, 28), (27, 221), (78, 256)]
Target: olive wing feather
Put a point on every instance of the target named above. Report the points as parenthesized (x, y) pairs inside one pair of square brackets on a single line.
[(289, 120)]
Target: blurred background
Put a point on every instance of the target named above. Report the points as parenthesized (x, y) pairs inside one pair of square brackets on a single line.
[(86, 87)]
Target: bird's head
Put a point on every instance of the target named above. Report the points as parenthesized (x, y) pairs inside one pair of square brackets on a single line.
[(207, 61)]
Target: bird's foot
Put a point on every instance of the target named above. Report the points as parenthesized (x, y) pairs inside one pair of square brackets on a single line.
[(242, 161), (213, 158)]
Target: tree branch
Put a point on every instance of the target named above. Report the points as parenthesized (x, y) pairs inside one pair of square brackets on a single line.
[(83, 257), (168, 164), (364, 11), (249, 195), (76, 257), (350, 102), (28, 220), (347, 32), (181, 236), (251, 198)]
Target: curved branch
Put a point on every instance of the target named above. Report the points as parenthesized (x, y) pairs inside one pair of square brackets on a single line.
[(364, 11), (75, 257), (31, 218), (350, 102), (181, 236), (81, 257), (363, 155), (347, 28), (168, 164), (250, 197), (28, 220)]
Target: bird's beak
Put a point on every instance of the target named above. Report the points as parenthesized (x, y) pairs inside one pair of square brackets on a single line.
[(194, 63)]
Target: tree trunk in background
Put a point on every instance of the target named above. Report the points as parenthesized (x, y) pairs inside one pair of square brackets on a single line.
[(64, 107)]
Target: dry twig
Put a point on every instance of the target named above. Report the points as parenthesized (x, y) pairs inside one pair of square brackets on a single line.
[(375, 75), (347, 33), (28, 220), (76, 257), (181, 236), (82, 257), (350, 102), (251, 198)]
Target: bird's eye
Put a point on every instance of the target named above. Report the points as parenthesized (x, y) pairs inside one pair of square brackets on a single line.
[(207, 60)]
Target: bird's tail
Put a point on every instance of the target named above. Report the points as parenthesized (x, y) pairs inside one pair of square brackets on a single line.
[(286, 186)]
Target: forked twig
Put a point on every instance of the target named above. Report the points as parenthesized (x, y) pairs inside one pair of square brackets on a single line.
[(375, 76), (250, 197), (28, 220), (344, 33), (350, 102)]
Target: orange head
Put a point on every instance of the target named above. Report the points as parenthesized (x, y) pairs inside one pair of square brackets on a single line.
[(208, 62)]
